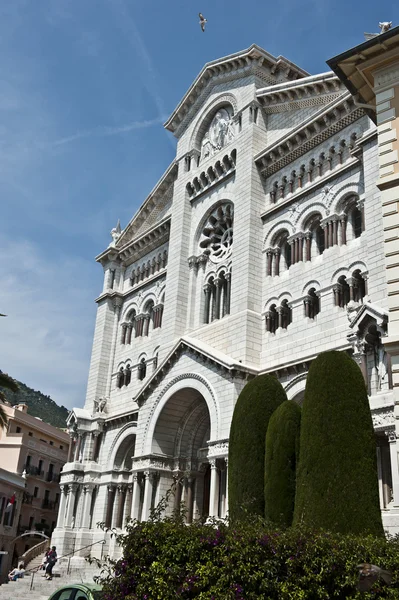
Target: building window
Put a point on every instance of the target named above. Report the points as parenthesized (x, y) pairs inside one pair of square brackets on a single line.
[(272, 319), (311, 304), (35, 492), (18, 430), (30, 434), (341, 292), (51, 443), (141, 369), (30, 525), (61, 447), (120, 378), (128, 375)]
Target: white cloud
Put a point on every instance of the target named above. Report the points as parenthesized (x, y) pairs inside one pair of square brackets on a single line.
[(45, 341), (105, 130)]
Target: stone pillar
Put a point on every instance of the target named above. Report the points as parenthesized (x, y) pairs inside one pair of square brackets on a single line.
[(228, 292), (123, 333), (88, 494), (277, 254), (135, 497), (148, 478), (72, 489), (342, 220), (146, 324), (189, 499), (214, 490), (78, 447), (120, 506), (129, 333), (128, 503), (71, 449), (308, 242), (218, 285), (392, 438), (95, 446), (61, 510), (280, 313), (110, 505), (226, 497), (208, 291), (269, 261)]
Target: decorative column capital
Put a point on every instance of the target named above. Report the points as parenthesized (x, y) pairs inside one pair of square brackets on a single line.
[(192, 262), (391, 435), (212, 462)]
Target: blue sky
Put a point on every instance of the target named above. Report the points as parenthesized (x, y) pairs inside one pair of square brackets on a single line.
[(85, 86)]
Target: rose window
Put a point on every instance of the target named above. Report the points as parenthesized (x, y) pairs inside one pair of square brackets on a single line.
[(217, 235)]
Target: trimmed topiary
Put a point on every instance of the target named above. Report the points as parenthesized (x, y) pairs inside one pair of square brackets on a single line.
[(337, 486), (255, 405), (282, 450)]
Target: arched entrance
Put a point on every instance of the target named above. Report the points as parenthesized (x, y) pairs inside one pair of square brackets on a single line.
[(181, 435)]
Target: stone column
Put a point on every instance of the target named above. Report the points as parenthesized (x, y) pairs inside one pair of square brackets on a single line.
[(226, 497), (120, 505), (228, 292), (342, 220), (71, 449), (218, 285), (308, 241), (277, 254), (128, 503), (72, 489), (95, 446), (88, 494), (148, 478), (146, 324), (61, 510), (392, 437), (110, 505), (123, 333), (214, 490), (189, 499), (129, 333), (269, 261), (78, 446), (335, 232), (135, 497), (208, 291)]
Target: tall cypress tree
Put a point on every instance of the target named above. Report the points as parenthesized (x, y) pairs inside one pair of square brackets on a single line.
[(255, 405), (337, 486), (282, 450)]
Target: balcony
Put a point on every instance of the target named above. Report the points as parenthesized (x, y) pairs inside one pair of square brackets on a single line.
[(53, 477), (35, 471), (49, 504), (27, 498)]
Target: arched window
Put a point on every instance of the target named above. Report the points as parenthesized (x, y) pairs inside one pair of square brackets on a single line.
[(141, 369), (311, 304), (358, 283), (342, 292), (148, 317), (128, 375), (353, 210), (272, 319), (355, 219), (210, 297), (128, 327), (285, 314), (120, 378)]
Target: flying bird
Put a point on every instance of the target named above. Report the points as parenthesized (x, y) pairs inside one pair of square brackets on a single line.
[(202, 21), (368, 575)]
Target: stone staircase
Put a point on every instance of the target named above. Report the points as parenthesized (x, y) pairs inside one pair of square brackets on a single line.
[(35, 587)]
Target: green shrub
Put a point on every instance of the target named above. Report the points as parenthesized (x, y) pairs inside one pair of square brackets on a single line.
[(255, 405), (337, 487), (168, 560), (282, 449)]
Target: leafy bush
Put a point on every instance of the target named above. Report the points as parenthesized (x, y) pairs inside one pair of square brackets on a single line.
[(166, 559), (255, 405), (282, 450), (337, 485)]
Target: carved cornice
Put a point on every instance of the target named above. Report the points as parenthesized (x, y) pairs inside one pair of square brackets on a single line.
[(309, 91), (254, 60), (383, 418), (320, 127)]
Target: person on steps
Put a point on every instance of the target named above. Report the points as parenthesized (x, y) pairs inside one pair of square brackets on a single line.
[(51, 560)]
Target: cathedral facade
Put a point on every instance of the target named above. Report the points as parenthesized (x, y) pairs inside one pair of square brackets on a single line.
[(261, 246)]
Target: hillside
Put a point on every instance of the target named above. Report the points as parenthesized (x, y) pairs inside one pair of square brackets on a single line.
[(39, 404)]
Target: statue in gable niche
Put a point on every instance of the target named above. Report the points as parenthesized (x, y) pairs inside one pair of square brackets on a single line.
[(220, 133)]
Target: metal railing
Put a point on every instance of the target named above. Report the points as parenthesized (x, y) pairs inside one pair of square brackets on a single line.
[(69, 554), (53, 477), (50, 504), (31, 470), (33, 552)]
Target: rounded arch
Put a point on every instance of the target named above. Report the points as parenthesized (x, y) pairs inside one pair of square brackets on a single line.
[(270, 302), (206, 115), (358, 264), (295, 389), (338, 273), (285, 296), (128, 310), (121, 446), (192, 381), (337, 200), (313, 283), (275, 230), (310, 215), (160, 293), (141, 356)]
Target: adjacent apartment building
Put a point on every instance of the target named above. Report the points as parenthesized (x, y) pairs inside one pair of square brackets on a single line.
[(36, 452)]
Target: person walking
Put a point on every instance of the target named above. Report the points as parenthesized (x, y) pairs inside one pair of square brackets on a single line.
[(51, 560)]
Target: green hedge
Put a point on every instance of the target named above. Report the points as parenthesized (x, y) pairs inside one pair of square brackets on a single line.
[(255, 405), (282, 450), (337, 486), (170, 560)]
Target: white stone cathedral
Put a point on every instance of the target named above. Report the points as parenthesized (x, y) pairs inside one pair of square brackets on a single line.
[(261, 246)]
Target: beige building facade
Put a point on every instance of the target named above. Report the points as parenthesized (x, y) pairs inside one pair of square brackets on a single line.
[(10, 484), (37, 451)]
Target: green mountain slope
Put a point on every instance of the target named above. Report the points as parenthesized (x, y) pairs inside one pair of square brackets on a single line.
[(39, 404)]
